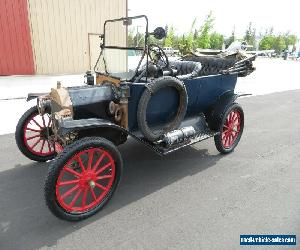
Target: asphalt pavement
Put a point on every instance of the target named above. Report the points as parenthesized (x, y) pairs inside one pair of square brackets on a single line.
[(192, 199)]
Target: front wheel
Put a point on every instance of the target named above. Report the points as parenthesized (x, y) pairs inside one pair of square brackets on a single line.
[(230, 129), (32, 134), (83, 178)]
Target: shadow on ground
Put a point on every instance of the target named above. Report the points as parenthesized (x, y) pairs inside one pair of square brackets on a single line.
[(26, 222)]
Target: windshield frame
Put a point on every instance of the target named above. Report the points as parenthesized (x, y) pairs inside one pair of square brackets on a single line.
[(126, 19), (143, 49)]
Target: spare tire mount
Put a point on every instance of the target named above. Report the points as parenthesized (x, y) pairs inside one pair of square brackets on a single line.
[(150, 90)]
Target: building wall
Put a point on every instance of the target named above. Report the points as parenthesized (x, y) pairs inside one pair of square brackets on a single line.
[(64, 33), (15, 43)]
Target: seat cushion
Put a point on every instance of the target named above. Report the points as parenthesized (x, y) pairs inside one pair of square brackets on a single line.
[(186, 69)]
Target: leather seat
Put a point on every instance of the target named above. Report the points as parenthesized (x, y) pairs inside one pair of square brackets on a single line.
[(186, 69)]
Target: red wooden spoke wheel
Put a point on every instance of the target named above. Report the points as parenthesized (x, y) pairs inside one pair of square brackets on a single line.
[(85, 180), (36, 131), (231, 129), (82, 178), (32, 134)]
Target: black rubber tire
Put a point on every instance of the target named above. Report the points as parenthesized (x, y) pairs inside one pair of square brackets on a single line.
[(58, 164), (19, 137), (222, 119), (145, 98)]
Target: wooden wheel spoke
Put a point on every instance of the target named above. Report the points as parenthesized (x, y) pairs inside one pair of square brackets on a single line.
[(93, 193), (233, 117), (90, 161), (103, 168), (64, 183), (36, 143), (104, 177), (98, 162), (37, 123), (42, 147), (79, 160), (72, 171), (69, 192), (229, 139), (223, 136), (75, 198), (49, 147), (100, 186), (33, 130), (226, 140), (236, 120), (84, 198), (32, 137)]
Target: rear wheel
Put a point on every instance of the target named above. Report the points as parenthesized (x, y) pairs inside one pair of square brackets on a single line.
[(231, 129), (83, 178), (32, 133)]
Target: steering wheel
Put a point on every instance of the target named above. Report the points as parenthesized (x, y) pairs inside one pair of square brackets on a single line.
[(158, 56)]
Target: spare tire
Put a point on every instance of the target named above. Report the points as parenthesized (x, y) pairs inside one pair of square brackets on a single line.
[(150, 90)]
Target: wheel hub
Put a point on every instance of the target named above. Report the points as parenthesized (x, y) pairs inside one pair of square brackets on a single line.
[(92, 184), (44, 133), (88, 179), (234, 129)]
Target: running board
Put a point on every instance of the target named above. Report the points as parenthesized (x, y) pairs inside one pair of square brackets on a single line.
[(162, 150), (197, 138), (202, 132)]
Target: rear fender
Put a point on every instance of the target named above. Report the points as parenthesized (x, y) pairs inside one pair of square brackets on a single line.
[(222, 103)]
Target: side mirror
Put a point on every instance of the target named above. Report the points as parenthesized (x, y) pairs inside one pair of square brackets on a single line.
[(159, 33)]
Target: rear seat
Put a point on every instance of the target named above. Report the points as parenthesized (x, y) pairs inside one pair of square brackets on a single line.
[(186, 69)]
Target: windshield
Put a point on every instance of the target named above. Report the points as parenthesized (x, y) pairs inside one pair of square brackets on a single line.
[(123, 47)]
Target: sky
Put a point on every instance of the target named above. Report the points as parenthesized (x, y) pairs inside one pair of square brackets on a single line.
[(282, 15)]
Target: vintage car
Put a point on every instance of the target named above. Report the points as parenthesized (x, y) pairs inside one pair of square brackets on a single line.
[(165, 105)]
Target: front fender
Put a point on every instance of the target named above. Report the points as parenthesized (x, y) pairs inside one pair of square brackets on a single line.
[(32, 96), (70, 125), (94, 127)]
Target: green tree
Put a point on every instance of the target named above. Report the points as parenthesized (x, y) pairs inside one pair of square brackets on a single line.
[(170, 39), (279, 44), (216, 40), (203, 39), (291, 40), (135, 38), (186, 41), (130, 38), (230, 39), (250, 36), (267, 42), (186, 44)]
